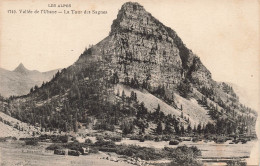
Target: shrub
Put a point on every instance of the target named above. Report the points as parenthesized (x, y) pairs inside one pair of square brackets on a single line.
[(26, 139), (43, 137), (32, 142), (59, 152), (195, 139), (3, 139), (116, 138), (126, 150), (73, 139), (93, 150), (187, 156), (220, 140), (135, 137), (236, 163), (157, 139), (99, 137), (106, 146), (178, 139), (149, 137), (54, 138), (142, 139), (103, 143), (64, 138), (173, 142), (74, 146), (107, 149), (54, 147), (148, 154), (143, 153), (166, 137), (88, 141), (244, 141), (76, 141), (168, 149), (187, 139), (73, 153), (196, 151)]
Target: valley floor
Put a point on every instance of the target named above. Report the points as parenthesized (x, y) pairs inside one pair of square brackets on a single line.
[(16, 153), (209, 149)]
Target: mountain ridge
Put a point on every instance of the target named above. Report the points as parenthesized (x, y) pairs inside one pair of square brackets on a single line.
[(20, 80)]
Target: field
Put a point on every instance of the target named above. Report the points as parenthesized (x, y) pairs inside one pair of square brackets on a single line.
[(15, 153), (209, 149)]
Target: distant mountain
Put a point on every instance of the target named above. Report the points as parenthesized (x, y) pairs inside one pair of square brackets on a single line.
[(244, 96), (140, 76), (21, 69), (21, 80)]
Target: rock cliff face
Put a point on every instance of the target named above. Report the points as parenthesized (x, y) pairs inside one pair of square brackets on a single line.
[(141, 47)]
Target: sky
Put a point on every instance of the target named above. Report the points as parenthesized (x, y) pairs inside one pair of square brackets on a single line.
[(224, 34)]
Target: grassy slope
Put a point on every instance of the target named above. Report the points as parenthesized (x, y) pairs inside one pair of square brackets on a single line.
[(191, 108), (6, 130)]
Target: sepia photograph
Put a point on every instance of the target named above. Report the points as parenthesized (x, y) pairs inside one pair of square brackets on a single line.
[(121, 83)]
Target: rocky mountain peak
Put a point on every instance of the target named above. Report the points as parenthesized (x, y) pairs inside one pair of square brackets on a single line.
[(154, 48), (132, 6), (21, 69), (131, 17)]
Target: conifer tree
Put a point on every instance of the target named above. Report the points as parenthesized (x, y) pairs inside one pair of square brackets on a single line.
[(159, 128)]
